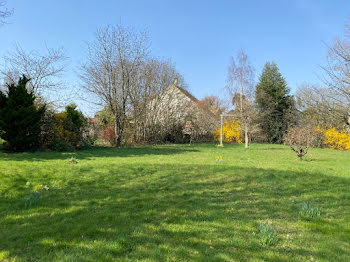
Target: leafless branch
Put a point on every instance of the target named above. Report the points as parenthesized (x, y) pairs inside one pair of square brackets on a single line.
[(300, 139), (4, 13), (240, 86), (43, 70), (112, 67)]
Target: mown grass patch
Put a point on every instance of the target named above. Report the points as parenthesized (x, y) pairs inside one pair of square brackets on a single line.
[(175, 203)]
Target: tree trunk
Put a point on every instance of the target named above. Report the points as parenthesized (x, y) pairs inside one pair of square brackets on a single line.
[(118, 132), (246, 136), (116, 141)]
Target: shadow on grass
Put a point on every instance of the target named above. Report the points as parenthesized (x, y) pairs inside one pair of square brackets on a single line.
[(98, 152), (180, 213)]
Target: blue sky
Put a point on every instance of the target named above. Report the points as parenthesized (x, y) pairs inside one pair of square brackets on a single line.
[(199, 36)]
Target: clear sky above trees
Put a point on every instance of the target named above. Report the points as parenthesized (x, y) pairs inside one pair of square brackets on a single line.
[(199, 36)]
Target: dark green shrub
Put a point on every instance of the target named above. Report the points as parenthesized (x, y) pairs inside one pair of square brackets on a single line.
[(48, 133), (20, 118), (65, 131), (89, 134), (59, 144)]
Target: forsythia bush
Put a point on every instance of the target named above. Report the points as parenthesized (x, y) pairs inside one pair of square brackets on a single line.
[(230, 132), (337, 140)]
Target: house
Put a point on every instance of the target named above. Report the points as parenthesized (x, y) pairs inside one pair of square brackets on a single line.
[(172, 115), (175, 113), (173, 101)]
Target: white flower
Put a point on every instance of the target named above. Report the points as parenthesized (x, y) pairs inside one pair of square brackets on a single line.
[(28, 183)]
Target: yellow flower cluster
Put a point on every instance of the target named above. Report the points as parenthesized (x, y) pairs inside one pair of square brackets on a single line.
[(230, 132), (39, 187), (337, 140), (219, 159)]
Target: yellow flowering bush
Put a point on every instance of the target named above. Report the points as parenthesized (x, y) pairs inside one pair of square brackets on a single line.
[(230, 132), (337, 140)]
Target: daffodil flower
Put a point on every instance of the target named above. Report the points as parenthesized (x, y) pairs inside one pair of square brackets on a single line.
[(38, 187)]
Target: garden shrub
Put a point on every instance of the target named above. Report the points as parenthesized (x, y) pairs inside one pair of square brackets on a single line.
[(318, 140), (65, 131), (230, 132), (20, 117), (173, 134), (90, 131), (69, 126), (330, 138), (337, 140), (108, 134), (299, 139), (48, 135)]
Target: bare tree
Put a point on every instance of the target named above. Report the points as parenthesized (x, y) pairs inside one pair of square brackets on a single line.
[(43, 70), (205, 118), (213, 104), (322, 107), (337, 68), (112, 67), (4, 13), (300, 139), (240, 80), (338, 74), (329, 105), (153, 77)]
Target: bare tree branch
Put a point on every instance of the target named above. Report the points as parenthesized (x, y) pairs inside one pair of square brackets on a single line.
[(43, 70), (4, 13), (323, 107), (111, 72), (299, 139), (240, 85), (337, 77), (330, 106)]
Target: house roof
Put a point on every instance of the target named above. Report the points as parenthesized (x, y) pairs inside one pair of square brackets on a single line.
[(188, 94), (184, 91)]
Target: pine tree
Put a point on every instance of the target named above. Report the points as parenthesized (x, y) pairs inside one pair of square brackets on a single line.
[(20, 118), (275, 106)]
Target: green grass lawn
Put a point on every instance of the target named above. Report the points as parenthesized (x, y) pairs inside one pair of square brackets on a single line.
[(176, 203)]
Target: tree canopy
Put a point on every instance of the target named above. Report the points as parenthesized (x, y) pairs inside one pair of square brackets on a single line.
[(276, 107), (20, 118)]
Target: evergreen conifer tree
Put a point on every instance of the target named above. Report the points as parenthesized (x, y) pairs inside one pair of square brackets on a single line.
[(20, 118), (276, 107)]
